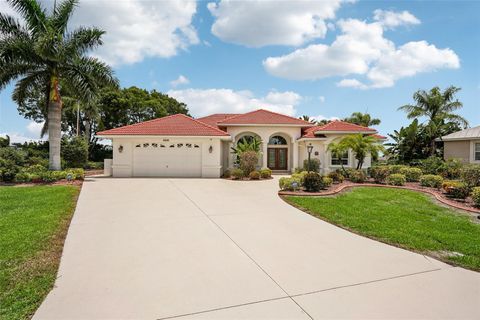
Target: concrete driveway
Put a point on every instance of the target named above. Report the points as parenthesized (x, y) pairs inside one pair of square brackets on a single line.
[(215, 249)]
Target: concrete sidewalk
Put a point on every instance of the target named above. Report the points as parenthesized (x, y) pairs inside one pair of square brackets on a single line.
[(216, 249)]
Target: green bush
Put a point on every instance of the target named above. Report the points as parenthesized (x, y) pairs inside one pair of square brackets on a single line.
[(326, 182), (47, 176), (37, 161), (471, 175), (75, 152), (451, 169), (248, 161), (456, 189), (396, 168), (300, 176), (91, 165), (357, 176), (431, 180), (8, 170), (336, 176), (237, 174), (254, 175), (227, 173), (432, 165), (266, 173), (289, 183), (396, 179), (411, 174), (313, 182), (380, 173), (36, 168), (13, 155), (23, 177), (314, 164), (476, 196)]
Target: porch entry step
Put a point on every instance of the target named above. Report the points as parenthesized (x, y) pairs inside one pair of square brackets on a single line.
[(281, 172)]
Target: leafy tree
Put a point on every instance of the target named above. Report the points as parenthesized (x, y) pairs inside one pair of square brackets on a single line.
[(43, 53), (4, 142), (362, 145), (438, 108), (75, 152), (247, 144), (362, 119), (408, 143)]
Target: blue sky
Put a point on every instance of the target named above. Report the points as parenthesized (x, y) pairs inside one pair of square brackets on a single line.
[(323, 59)]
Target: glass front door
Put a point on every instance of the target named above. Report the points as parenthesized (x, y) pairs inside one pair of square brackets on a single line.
[(277, 158)]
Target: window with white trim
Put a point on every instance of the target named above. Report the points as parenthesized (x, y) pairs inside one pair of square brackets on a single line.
[(337, 161), (477, 151)]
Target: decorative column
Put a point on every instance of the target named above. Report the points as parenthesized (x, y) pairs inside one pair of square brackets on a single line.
[(295, 155), (265, 152)]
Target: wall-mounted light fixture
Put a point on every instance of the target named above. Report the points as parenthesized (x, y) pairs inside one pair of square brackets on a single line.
[(120, 149), (210, 149)]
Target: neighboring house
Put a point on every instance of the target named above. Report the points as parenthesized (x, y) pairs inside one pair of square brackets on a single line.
[(179, 146), (463, 145)]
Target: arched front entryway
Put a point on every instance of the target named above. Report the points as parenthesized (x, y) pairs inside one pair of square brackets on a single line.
[(278, 152), (247, 136)]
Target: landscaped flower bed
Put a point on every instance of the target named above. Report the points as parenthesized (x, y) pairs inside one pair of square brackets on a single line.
[(463, 193), (239, 174)]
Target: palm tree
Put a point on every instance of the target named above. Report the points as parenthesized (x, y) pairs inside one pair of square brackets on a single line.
[(438, 107), (337, 150), (363, 119), (41, 51), (362, 145)]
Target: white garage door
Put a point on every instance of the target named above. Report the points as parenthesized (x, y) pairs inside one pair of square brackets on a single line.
[(167, 159)]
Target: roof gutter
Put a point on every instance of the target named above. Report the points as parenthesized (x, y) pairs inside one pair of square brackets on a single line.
[(135, 136)]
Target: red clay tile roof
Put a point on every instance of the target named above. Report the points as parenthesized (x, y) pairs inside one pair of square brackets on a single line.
[(213, 119), (174, 125), (378, 136), (336, 125), (263, 117)]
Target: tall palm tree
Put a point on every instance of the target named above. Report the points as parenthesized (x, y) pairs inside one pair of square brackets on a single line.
[(438, 107), (41, 51), (337, 150), (362, 145), (363, 119)]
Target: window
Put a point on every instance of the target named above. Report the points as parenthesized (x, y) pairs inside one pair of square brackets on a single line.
[(477, 151), (277, 140), (343, 161)]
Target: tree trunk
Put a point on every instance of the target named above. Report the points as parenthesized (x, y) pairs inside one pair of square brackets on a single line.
[(88, 128), (54, 125), (432, 148)]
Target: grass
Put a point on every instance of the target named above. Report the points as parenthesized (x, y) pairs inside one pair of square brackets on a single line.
[(33, 225), (403, 218)]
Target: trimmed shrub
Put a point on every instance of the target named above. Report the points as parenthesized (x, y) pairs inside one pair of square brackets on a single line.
[(227, 174), (380, 173), (91, 165), (36, 168), (265, 173), (312, 182), (326, 182), (336, 177), (432, 165), (396, 168), (289, 183), (314, 165), (451, 169), (237, 174), (47, 176), (449, 183), (396, 179), (456, 189), (23, 177), (471, 175), (300, 176), (254, 175), (75, 152), (13, 155), (357, 176), (248, 161), (411, 174), (476, 196), (8, 170), (77, 173), (431, 180)]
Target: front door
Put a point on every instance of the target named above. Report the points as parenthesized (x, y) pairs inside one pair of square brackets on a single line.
[(277, 158)]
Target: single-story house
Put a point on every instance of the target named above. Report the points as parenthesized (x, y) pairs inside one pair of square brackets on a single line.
[(463, 145), (180, 146)]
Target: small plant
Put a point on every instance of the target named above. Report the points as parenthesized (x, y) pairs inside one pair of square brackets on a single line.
[(248, 161), (312, 182), (237, 174), (227, 174), (47, 176), (357, 176), (476, 196), (452, 169), (411, 174), (77, 173), (432, 165), (396, 179), (396, 168), (380, 173), (23, 177), (36, 168), (265, 173), (326, 182), (254, 175), (300, 176), (471, 175), (289, 184), (456, 189), (336, 176), (431, 180), (314, 165)]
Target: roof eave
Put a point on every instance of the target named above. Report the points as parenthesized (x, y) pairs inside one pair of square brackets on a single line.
[(220, 124), (350, 132), (112, 136)]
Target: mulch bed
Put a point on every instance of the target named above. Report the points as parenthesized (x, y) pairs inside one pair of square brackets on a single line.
[(334, 189)]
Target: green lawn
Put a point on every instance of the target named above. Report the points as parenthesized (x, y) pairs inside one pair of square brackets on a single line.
[(404, 218), (33, 224)]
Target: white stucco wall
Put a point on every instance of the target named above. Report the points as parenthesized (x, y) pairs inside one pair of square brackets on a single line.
[(212, 166)]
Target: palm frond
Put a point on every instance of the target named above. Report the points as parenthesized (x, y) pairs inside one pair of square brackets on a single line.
[(81, 40), (33, 14), (62, 14), (9, 26)]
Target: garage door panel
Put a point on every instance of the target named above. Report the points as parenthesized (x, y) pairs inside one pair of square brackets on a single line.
[(179, 159)]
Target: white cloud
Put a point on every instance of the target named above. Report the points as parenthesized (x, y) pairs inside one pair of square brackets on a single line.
[(391, 19), (136, 29), (362, 49), (33, 134), (260, 23), (322, 117), (35, 128), (202, 102), (179, 81)]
